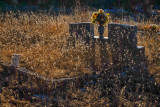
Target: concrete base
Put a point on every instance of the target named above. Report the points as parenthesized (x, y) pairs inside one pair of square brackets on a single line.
[(105, 39)]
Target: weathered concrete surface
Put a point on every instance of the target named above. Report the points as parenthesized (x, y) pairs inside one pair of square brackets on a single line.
[(123, 40), (81, 31), (121, 35), (15, 60)]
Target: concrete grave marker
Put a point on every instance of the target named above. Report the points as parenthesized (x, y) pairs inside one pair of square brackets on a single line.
[(15, 60), (82, 31), (122, 39)]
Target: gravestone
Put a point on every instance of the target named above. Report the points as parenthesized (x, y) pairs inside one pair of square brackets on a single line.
[(15, 60), (104, 56), (123, 40), (139, 56), (81, 31)]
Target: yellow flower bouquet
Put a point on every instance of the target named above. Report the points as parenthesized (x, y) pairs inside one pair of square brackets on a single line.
[(100, 17)]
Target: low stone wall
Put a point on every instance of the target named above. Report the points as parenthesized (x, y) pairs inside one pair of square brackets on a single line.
[(45, 85)]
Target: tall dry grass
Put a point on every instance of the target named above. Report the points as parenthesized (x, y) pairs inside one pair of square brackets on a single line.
[(42, 41)]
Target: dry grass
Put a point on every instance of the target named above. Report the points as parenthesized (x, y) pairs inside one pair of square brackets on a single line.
[(151, 41), (8, 100), (42, 41)]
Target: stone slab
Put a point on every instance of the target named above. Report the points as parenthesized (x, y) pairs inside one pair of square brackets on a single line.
[(122, 35), (82, 31), (123, 40), (139, 56), (105, 39), (15, 60), (141, 50)]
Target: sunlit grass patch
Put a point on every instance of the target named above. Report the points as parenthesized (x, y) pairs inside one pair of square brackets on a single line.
[(42, 41)]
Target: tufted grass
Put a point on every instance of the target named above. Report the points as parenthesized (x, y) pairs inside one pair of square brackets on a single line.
[(42, 41)]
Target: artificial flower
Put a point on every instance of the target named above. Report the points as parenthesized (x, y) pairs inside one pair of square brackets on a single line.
[(100, 17)]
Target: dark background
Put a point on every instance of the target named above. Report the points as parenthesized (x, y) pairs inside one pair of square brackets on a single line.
[(130, 5)]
